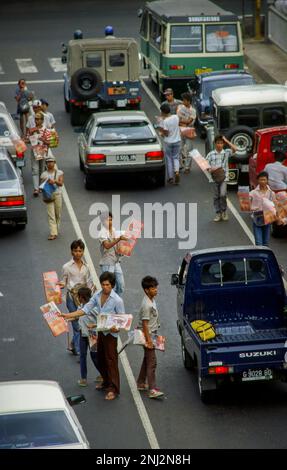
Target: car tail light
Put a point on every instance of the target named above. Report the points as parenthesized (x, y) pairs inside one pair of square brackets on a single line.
[(20, 155), (96, 158), (154, 155), (134, 100), (12, 201), (231, 165), (177, 67), (231, 66), (219, 370)]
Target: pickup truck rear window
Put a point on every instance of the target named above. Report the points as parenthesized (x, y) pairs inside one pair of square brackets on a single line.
[(234, 271), (279, 142), (94, 60), (248, 117), (274, 116)]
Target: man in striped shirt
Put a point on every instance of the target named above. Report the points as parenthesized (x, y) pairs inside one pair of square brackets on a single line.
[(218, 159)]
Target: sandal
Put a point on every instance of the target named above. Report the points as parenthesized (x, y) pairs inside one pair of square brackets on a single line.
[(110, 396), (142, 387), (52, 237)]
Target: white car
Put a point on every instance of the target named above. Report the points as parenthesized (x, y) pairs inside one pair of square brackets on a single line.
[(120, 142), (36, 414)]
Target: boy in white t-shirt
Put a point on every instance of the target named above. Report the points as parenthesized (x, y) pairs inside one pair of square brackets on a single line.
[(169, 130)]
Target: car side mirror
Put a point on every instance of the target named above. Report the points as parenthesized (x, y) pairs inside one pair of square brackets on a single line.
[(174, 280), (76, 400)]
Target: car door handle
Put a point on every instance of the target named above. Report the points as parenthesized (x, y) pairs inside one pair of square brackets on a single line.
[(109, 70)]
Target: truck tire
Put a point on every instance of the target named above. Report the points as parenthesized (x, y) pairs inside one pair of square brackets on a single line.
[(188, 362), (242, 137), (89, 182), (206, 396), (86, 83), (76, 116)]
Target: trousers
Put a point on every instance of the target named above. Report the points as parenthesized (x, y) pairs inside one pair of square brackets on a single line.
[(108, 362), (54, 210), (148, 368)]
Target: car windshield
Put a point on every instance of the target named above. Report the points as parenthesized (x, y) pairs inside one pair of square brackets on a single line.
[(209, 85), (6, 171), (36, 429), (130, 132)]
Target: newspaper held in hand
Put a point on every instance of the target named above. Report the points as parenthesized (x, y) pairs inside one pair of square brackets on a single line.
[(125, 247), (56, 323), (52, 289), (137, 337), (244, 199), (121, 321)]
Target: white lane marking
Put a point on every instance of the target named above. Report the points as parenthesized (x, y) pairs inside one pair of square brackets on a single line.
[(57, 65), (123, 357), (1, 295), (26, 66), (59, 80), (1, 69)]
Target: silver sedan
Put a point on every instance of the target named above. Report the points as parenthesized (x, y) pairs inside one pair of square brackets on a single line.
[(120, 142), (8, 132), (12, 196)]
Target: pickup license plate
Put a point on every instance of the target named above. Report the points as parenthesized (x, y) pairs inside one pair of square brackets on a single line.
[(245, 168), (117, 90), (199, 71), (257, 374), (126, 158), (121, 103)]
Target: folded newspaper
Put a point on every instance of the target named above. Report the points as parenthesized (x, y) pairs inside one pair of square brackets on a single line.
[(56, 323), (106, 322), (137, 337)]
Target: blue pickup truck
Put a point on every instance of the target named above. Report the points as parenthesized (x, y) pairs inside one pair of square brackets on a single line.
[(240, 291)]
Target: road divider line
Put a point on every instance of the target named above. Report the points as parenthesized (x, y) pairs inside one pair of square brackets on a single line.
[(123, 356), (60, 80), (26, 66)]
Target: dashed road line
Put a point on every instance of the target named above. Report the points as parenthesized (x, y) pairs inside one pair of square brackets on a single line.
[(123, 357), (57, 65), (60, 80), (26, 66)]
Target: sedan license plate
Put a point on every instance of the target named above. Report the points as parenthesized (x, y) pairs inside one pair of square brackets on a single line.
[(257, 374), (126, 158)]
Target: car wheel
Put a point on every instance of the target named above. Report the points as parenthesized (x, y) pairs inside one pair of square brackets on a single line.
[(242, 137), (76, 116), (81, 163), (187, 360), (21, 226), (89, 182), (86, 83), (160, 178)]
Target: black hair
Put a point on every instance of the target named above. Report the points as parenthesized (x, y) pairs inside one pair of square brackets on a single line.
[(186, 96), (262, 174), (218, 137), (85, 293), (107, 276), (77, 244), (149, 281), (165, 108), (279, 156)]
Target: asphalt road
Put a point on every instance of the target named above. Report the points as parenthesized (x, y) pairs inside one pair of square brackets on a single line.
[(243, 417)]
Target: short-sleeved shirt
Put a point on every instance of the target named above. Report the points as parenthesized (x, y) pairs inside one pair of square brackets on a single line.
[(277, 176), (173, 106), (148, 311), (185, 114), (55, 174), (171, 124), (109, 256), (114, 304), (219, 160), (50, 119), (72, 275), (31, 121)]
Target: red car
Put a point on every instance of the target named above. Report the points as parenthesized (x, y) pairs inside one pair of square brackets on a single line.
[(266, 141)]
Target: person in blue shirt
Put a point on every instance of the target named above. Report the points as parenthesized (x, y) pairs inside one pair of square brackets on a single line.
[(105, 301)]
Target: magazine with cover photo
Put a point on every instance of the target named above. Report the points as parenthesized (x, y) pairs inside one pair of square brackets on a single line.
[(56, 323), (121, 321)]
